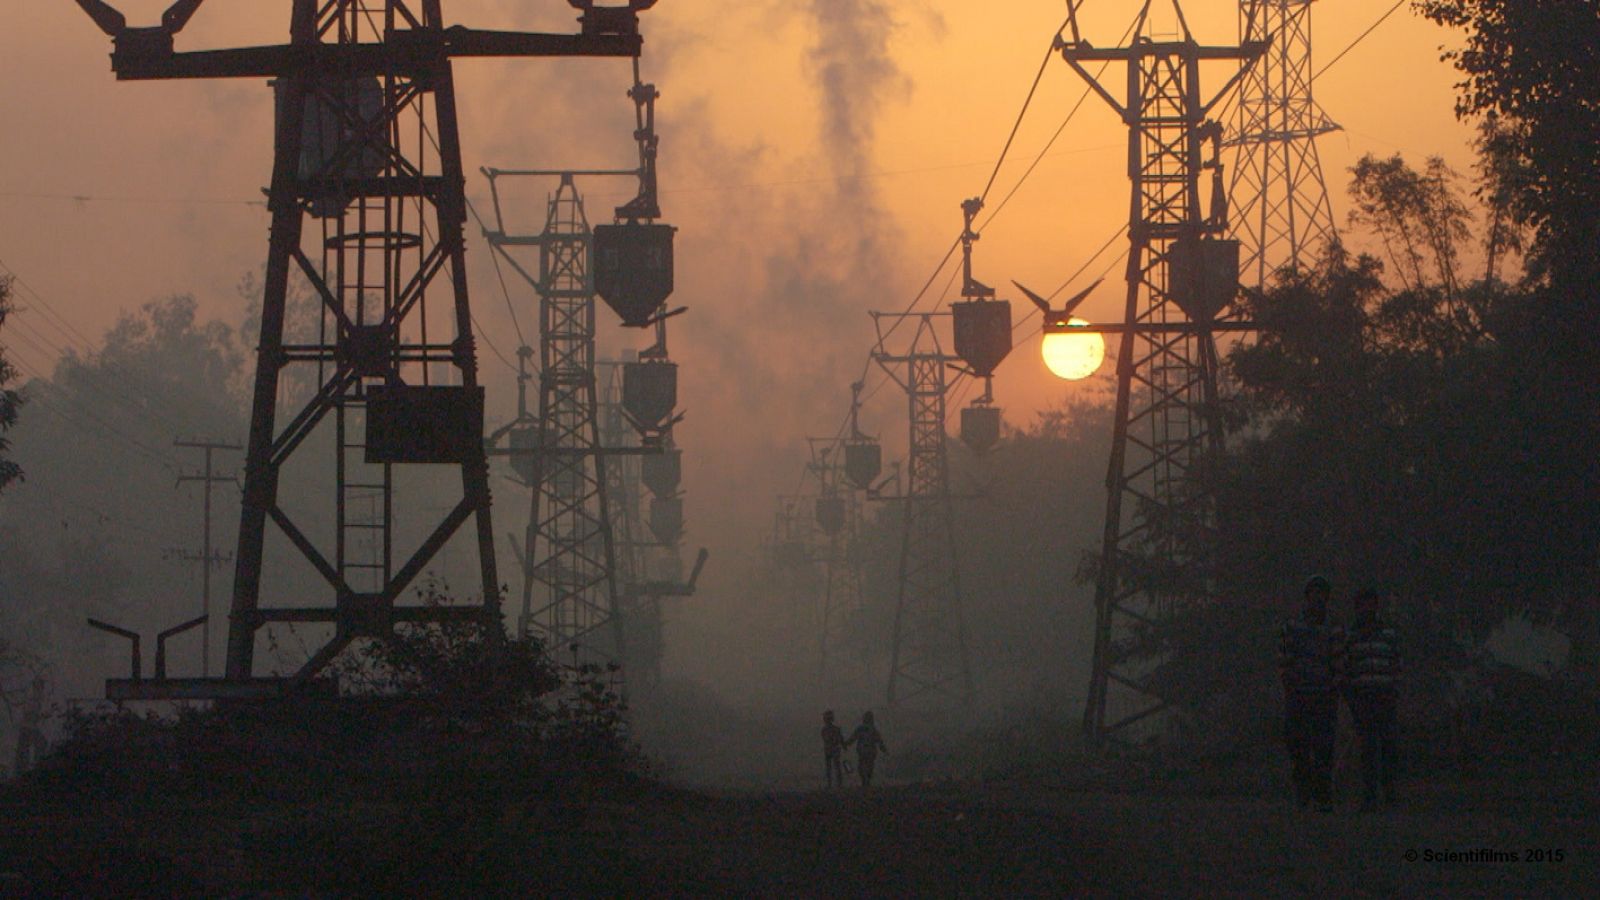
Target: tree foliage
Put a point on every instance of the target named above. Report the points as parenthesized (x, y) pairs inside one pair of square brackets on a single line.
[(10, 400), (90, 530), (1533, 68), (1407, 436)]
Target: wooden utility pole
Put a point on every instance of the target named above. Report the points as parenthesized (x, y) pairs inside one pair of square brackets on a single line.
[(207, 557)]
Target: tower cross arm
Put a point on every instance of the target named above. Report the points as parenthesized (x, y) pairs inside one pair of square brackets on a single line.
[(136, 58), (462, 41), (1085, 53)]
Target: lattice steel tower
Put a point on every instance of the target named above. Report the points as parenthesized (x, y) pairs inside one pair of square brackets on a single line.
[(624, 497), (930, 642), (649, 561), (1280, 199), (569, 595), (837, 511), (367, 149), (1182, 279)]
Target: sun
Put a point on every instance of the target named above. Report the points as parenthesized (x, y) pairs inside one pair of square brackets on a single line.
[(1074, 357)]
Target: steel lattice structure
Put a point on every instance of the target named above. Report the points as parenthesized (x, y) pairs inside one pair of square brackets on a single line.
[(629, 530), (1179, 295), (838, 516), (569, 591), (367, 146), (930, 642), (1280, 199)]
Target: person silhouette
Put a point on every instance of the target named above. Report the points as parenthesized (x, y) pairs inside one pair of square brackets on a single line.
[(1308, 645), (832, 751), (868, 742)]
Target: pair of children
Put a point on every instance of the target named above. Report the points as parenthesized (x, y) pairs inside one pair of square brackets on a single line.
[(868, 742)]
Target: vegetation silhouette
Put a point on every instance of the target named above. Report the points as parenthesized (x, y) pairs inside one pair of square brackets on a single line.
[(441, 751)]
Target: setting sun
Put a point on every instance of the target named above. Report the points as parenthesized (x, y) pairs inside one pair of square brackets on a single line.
[(1074, 357)]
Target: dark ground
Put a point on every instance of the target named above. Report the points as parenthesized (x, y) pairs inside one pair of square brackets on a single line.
[(955, 839)]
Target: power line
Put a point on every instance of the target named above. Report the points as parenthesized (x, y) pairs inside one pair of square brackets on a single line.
[(494, 256), (1026, 102), (470, 314), (1033, 164), (1363, 36), (718, 188), (1082, 98), (115, 386), (111, 198), (52, 315), (83, 409)]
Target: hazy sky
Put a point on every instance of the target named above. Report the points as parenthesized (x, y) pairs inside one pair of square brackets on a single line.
[(813, 155)]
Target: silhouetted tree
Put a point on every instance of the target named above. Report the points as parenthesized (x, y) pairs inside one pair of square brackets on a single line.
[(1413, 437), (88, 531), (1532, 66), (1532, 76), (10, 400)]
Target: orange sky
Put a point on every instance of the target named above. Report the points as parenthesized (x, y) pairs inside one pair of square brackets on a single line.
[(780, 257)]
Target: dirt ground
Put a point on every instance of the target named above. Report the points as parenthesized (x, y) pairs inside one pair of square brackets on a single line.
[(767, 830), (1035, 840), (970, 839)]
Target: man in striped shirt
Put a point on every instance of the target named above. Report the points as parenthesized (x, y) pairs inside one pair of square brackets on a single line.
[(1306, 651), (1370, 668)]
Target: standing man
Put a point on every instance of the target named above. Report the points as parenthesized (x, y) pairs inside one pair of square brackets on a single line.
[(832, 751), (1371, 683), (1306, 651), (868, 742)]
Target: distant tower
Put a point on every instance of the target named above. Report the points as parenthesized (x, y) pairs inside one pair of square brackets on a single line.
[(569, 596), (1281, 211), (624, 494), (1182, 280), (930, 641), (648, 547), (837, 511)]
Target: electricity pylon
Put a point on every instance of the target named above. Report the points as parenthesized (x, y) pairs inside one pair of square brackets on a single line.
[(367, 148), (837, 512), (1281, 211), (1182, 279), (569, 588), (930, 640)]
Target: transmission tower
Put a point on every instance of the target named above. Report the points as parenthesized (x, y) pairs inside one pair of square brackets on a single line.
[(569, 589), (837, 512), (649, 560), (930, 642), (367, 149), (1182, 279), (628, 533), (1281, 207)]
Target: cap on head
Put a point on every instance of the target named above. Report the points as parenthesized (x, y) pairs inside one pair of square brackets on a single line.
[(866, 716), (827, 716), (1318, 582)]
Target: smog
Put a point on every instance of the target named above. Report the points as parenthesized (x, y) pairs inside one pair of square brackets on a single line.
[(843, 448)]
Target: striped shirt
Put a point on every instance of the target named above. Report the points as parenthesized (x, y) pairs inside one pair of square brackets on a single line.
[(1371, 657), (1306, 654)]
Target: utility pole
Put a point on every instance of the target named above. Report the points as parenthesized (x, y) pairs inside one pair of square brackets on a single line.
[(1281, 209), (1182, 280), (367, 150), (207, 558)]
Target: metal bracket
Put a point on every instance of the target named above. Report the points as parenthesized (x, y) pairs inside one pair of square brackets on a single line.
[(138, 667)]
